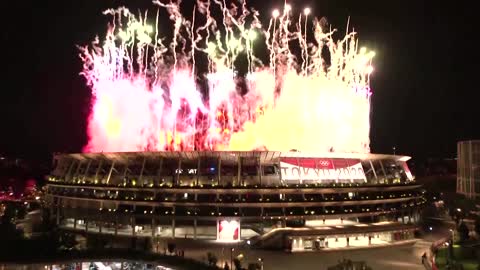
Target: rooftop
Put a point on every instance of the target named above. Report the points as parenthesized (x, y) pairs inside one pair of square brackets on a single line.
[(264, 156)]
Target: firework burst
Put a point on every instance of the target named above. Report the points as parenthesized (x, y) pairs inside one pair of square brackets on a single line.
[(312, 95)]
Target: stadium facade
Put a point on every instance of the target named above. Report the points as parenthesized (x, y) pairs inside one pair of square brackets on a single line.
[(288, 200)]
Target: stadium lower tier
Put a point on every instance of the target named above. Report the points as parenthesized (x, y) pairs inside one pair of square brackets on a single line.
[(293, 235), (317, 218), (298, 203)]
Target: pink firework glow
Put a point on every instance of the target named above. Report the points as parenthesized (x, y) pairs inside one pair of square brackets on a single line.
[(313, 94)]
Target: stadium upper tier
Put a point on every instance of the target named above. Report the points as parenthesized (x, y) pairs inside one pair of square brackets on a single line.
[(249, 184), (229, 169)]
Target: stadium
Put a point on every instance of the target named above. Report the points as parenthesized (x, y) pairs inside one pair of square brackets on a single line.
[(280, 200)]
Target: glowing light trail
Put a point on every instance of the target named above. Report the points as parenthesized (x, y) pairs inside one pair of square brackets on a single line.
[(147, 94)]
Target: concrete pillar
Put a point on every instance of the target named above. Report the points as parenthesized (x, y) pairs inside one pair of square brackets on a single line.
[(86, 170), (260, 171), (219, 172), (58, 211), (159, 172), (98, 170), (383, 170), (124, 175), (195, 229), (68, 174), (133, 225), (239, 170), (198, 174), (154, 228), (373, 169), (140, 177), (177, 173), (78, 168), (110, 172)]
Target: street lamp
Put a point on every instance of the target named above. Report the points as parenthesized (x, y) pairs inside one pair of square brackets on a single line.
[(231, 257), (261, 263)]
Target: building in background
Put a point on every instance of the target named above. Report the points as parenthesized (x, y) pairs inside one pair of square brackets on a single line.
[(468, 168)]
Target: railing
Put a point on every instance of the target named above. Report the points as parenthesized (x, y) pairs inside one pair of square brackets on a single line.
[(236, 187), (243, 203)]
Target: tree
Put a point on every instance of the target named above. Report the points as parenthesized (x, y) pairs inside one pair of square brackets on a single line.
[(237, 263), (171, 247), (450, 253), (96, 241), (212, 259), (147, 244), (477, 226), (48, 223), (350, 265), (8, 231), (67, 241), (254, 266), (463, 231)]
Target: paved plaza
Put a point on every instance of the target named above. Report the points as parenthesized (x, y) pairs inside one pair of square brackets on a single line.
[(388, 258)]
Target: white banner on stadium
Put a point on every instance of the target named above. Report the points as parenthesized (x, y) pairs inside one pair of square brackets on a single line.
[(228, 230), (318, 169)]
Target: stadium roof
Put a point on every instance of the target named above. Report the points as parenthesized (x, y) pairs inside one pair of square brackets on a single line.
[(264, 156)]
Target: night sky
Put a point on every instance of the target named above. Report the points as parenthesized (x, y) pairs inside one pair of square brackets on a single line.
[(425, 98)]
